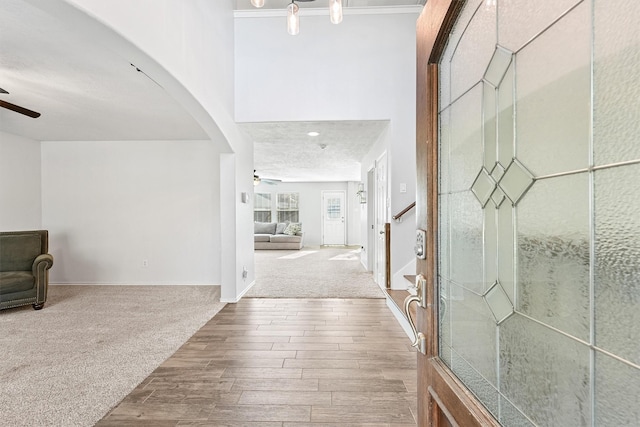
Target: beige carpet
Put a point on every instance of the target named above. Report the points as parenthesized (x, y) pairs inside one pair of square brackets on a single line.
[(313, 272), (71, 362)]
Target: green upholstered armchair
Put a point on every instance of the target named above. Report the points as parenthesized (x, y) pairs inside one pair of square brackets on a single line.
[(24, 268)]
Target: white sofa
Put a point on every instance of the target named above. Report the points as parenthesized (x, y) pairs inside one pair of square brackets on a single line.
[(272, 235)]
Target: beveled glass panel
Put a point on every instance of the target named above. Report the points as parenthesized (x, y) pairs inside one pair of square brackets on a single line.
[(498, 302), (490, 246), (466, 241), (445, 354), (452, 43), (473, 332), (617, 261), (553, 102), (497, 172), (615, 72), (483, 389), (444, 181), (617, 392), (498, 195), (521, 20), (506, 118), (474, 51), (489, 114), (466, 139), (506, 250), (483, 187), (511, 416), (443, 236), (515, 182), (445, 320), (544, 373), (553, 253), (444, 76), (498, 66)]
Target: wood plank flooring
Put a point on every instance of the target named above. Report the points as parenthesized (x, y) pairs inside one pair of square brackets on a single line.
[(284, 363)]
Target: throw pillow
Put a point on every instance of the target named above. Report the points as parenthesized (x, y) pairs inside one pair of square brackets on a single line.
[(281, 227), (264, 228), (293, 229)]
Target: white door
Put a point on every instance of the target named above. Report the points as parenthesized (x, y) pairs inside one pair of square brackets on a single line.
[(381, 219), (333, 225), (372, 234)]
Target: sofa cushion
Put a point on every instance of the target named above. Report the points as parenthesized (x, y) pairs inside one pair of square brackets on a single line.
[(284, 238), (264, 228), (293, 228), (18, 251), (261, 237), (281, 227), (16, 281)]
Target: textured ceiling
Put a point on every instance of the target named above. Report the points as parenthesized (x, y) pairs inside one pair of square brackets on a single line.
[(282, 4), (83, 90), (284, 151)]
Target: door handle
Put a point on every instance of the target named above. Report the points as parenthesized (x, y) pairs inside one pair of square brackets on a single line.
[(382, 232), (420, 341)]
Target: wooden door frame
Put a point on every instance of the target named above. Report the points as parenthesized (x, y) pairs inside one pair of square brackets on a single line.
[(442, 399)]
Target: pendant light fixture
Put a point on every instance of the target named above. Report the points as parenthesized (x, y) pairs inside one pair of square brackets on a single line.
[(335, 11), (293, 19)]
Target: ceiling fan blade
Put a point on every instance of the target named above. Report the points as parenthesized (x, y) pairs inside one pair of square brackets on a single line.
[(271, 181), (19, 109)]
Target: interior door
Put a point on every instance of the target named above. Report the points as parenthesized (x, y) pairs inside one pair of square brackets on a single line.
[(527, 166), (371, 220), (333, 213), (381, 219)]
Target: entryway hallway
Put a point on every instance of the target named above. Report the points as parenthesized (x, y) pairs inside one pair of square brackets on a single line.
[(283, 362), (313, 272)]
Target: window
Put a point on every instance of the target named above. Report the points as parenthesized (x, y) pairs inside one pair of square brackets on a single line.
[(334, 207), (288, 207), (262, 207)]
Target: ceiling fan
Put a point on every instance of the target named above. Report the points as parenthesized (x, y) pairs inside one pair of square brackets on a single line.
[(17, 108), (257, 180)]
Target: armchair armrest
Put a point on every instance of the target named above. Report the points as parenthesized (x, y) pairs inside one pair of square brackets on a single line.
[(41, 264)]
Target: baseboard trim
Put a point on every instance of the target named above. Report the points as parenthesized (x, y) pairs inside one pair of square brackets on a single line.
[(130, 284), (239, 297)]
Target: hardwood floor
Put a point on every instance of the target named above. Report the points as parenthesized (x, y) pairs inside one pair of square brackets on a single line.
[(285, 363)]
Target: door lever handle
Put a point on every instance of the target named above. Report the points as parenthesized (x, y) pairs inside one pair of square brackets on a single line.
[(420, 341)]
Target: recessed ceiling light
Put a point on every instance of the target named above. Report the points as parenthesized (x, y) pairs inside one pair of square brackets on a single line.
[(313, 133)]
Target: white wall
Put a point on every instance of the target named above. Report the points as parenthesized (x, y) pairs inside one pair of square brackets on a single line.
[(401, 170), (20, 201), (187, 47), (310, 204), (362, 69), (111, 205), (354, 215)]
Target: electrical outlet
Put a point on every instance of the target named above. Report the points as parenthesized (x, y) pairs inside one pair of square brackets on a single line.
[(145, 263)]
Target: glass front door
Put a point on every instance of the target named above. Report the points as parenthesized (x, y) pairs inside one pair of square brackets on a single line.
[(539, 210)]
